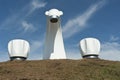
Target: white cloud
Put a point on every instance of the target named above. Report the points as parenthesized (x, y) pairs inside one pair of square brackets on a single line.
[(28, 26), (73, 51), (4, 56), (15, 20), (110, 51), (36, 50), (73, 54), (114, 38), (35, 45), (36, 4), (76, 24)]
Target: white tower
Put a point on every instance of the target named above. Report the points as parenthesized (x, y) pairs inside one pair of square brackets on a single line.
[(18, 49), (54, 46), (90, 47)]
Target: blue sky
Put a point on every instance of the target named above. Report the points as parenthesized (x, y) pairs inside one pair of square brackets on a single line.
[(25, 19)]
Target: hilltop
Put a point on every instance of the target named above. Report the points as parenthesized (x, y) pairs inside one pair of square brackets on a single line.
[(84, 69)]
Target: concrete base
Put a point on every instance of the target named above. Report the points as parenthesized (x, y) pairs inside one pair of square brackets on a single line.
[(17, 58), (91, 56)]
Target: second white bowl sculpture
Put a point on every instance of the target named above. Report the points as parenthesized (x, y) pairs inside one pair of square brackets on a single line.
[(90, 47), (18, 49)]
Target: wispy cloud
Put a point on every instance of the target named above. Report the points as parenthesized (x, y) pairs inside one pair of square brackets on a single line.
[(74, 54), (28, 26), (16, 19), (110, 51), (114, 38), (76, 24), (4, 56), (36, 49), (36, 4), (35, 45)]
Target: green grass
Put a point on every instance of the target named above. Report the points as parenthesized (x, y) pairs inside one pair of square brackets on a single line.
[(84, 69)]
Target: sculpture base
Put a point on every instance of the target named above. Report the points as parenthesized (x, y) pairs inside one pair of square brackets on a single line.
[(91, 56), (17, 58)]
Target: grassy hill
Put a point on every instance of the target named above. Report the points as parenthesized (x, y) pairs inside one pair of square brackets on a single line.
[(84, 69)]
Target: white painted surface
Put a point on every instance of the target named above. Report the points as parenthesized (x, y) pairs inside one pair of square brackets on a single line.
[(18, 48), (54, 46), (90, 46)]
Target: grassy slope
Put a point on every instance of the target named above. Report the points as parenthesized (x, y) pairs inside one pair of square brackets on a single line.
[(85, 69)]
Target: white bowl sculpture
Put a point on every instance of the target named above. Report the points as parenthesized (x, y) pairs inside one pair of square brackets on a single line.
[(54, 46), (90, 47), (18, 49)]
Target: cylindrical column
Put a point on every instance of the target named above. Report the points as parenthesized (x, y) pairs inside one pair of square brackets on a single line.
[(54, 46)]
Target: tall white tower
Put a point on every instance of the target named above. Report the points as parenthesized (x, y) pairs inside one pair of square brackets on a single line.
[(90, 47), (18, 49), (54, 46)]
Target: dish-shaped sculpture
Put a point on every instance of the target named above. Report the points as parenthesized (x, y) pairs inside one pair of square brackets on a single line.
[(18, 49), (90, 48)]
